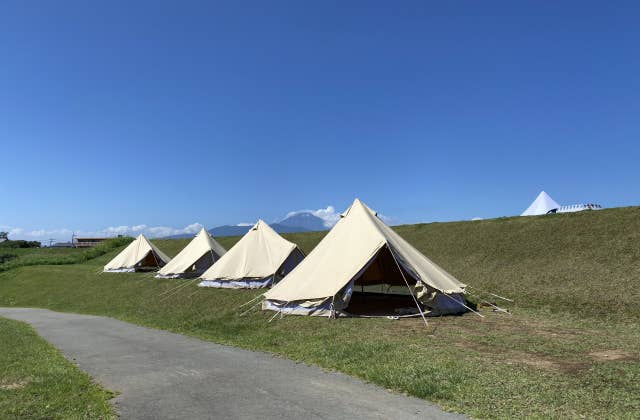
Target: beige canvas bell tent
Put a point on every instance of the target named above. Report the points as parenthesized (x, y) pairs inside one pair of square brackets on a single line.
[(140, 255), (363, 267), (259, 259), (195, 258)]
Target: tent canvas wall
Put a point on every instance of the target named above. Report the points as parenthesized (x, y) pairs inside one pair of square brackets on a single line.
[(259, 259), (362, 254), (139, 255), (543, 204), (195, 258)]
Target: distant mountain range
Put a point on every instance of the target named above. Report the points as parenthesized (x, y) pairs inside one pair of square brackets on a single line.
[(298, 222), (305, 220)]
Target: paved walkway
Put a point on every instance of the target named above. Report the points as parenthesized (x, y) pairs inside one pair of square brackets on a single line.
[(161, 375)]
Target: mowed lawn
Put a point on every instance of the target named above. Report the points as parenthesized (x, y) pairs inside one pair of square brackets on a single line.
[(570, 349), (19, 257), (37, 382)]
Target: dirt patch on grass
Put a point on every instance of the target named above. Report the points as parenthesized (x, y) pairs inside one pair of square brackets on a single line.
[(545, 363), (513, 357), (13, 385), (611, 355)]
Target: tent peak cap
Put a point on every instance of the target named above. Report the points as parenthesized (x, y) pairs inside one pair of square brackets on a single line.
[(260, 222), (358, 204)]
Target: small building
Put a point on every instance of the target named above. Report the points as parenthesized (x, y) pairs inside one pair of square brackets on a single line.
[(79, 242), (579, 207)]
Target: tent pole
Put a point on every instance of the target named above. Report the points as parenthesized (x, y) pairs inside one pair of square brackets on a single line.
[(409, 287)]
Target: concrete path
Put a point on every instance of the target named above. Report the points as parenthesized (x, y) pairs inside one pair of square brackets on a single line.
[(161, 375)]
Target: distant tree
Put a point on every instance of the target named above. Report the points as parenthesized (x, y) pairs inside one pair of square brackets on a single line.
[(20, 244), (4, 236)]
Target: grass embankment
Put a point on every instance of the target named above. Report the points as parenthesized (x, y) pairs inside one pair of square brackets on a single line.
[(21, 257), (37, 382), (569, 350)]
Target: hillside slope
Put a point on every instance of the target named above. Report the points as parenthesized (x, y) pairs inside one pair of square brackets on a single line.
[(584, 263)]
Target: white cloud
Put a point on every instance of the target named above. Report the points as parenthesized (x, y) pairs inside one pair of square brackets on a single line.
[(161, 231), (117, 230), (244, 224), (16, 231), (64, 234)]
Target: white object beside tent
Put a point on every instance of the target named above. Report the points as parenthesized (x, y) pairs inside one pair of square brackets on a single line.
[(259, 259), (195, 258), (543, 204), (139, 255), (579, 207), (362, 251)]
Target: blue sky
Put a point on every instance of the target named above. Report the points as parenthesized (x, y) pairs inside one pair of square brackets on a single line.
[(174, 113)]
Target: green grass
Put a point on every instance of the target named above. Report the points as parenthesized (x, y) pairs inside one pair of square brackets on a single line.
[(23, 257), (571, 348), (37, 382)]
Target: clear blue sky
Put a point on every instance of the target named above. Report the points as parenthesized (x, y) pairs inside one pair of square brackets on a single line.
[(170, 113)]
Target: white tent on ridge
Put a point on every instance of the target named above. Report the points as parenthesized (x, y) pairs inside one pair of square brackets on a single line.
[(139, 255), (195, 258), (259, 259), (362, 252), (543, 204)]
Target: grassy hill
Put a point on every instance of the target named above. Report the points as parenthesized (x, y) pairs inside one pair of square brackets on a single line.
[(570, 349)]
